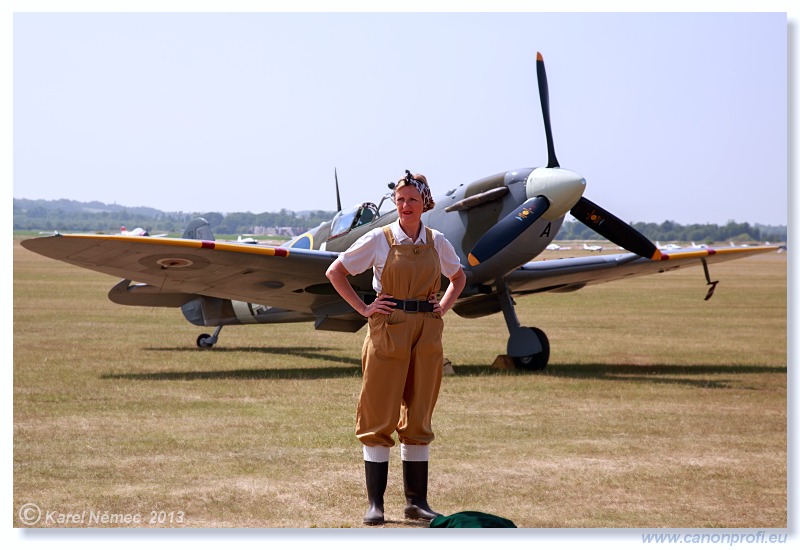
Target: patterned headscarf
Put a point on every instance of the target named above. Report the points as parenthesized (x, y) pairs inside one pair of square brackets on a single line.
[(421, 183)]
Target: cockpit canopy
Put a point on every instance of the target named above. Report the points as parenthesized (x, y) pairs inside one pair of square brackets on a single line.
[(346, 220)]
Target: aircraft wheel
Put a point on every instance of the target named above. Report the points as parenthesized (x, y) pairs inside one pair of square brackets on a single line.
[(537, 361), (203, 341)]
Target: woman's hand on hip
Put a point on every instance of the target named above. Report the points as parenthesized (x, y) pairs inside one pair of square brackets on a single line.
[(381, 306), (437, 307)]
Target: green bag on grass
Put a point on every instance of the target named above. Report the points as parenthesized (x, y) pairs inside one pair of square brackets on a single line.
[(471, 520)]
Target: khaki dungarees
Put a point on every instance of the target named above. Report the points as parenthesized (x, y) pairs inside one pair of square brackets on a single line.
[(402, 354)]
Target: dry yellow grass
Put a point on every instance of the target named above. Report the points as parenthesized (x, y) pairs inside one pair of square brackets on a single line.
[(658, 410)]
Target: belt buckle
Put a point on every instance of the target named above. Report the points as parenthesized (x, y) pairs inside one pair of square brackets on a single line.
[(411, 306)]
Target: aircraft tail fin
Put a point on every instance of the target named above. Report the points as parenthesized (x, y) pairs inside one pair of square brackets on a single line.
[(198, 229)]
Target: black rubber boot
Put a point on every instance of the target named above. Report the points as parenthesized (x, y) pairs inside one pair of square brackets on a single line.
[(415, 482), (377, 474)]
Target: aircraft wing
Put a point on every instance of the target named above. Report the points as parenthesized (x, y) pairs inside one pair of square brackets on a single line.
[(564, 275), (288, 278), (294, 279)]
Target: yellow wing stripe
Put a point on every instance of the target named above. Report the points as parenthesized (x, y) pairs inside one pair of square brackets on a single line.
[(190, 243), (713, 251)]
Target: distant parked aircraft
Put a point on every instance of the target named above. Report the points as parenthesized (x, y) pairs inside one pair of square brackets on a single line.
[(138, 232), (668, 246)]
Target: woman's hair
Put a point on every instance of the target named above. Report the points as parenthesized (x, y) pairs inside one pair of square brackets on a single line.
[(421, 183)]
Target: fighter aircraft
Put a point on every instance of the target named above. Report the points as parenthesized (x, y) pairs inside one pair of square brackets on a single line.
[(498, 225)]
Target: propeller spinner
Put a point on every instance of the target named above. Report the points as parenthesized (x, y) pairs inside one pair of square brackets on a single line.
[(552, 192)]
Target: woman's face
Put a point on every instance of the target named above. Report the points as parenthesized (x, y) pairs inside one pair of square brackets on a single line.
[(409, 204)]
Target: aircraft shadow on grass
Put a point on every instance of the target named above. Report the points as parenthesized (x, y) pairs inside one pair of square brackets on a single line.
[(689, 375), (656, 374), (295, 354), (300, 373), (304, 352)]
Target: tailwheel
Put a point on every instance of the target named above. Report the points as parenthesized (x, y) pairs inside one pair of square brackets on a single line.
[(535, 361)]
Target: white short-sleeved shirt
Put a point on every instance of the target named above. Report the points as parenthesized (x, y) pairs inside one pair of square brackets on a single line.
[(372, 249)]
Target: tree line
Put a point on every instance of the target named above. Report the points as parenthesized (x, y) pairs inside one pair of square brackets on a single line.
[(670, 231), (66, 215), (74, 216)]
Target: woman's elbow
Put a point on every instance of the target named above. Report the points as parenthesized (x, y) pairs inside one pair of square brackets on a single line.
[(330, 274), (459, 280), (335, 271)]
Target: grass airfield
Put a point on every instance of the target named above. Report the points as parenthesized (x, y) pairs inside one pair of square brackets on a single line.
[(658, 409)]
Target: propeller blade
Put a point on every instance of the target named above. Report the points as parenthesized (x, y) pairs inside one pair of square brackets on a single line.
[(614, 229), (338, 200), (544, 98), (508, 229)]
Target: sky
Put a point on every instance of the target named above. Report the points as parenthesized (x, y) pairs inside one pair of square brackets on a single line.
[(668, 116)]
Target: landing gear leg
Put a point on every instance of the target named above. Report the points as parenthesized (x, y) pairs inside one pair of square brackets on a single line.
[(206, 341), (527, 346)]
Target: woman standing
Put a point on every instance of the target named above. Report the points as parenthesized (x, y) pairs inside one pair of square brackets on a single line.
[(402, 353)]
